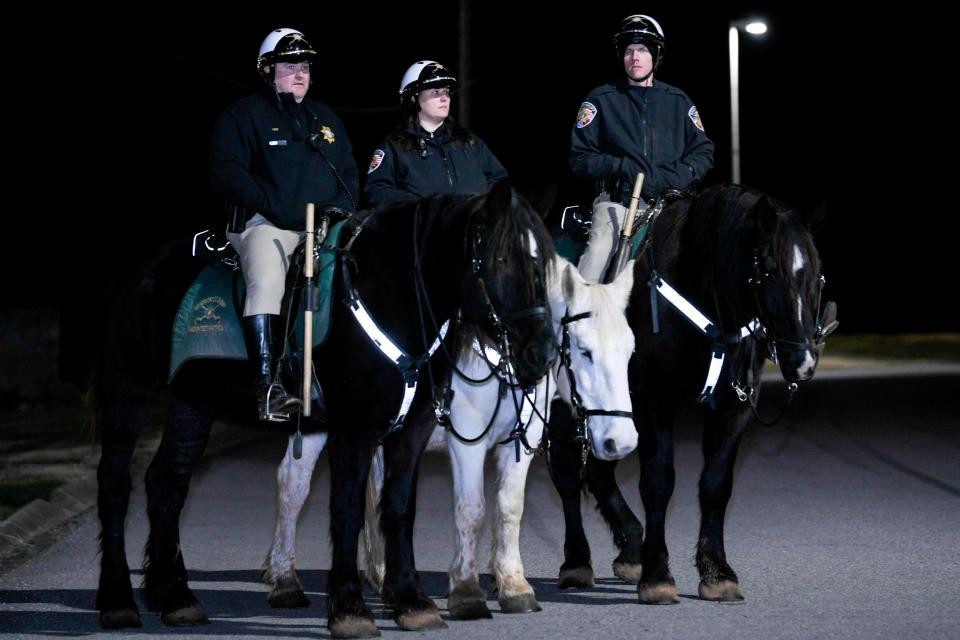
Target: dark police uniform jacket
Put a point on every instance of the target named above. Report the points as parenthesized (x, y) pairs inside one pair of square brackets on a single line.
[(622, 130), (415, 164), (267, 156)]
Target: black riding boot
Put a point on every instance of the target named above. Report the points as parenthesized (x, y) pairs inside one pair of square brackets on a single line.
[(273, 401)]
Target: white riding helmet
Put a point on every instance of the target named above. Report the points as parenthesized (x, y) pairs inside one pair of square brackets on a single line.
[(425, 74), (288, 45)]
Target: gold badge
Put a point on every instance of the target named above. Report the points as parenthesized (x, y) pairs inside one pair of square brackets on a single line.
[(328, 134)]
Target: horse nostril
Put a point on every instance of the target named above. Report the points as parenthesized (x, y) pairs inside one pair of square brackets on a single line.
[(533, 356), (610, 446)]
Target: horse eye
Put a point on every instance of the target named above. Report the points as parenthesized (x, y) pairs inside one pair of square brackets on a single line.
[(586, 353)]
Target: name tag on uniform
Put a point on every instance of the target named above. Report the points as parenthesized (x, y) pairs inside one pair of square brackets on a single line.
[(277, 143)]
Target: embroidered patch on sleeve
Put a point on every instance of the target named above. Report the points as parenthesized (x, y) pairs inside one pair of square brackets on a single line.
[(586, 115), (375, 160), (695, 117)]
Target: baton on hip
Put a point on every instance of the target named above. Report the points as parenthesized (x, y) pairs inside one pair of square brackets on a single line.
[(622, 256), (308, 314)]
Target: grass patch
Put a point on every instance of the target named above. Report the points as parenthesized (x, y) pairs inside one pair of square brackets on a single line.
[(14, 495), (929, 346)]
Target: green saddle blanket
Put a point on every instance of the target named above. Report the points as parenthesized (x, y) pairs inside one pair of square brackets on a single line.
[(207, 324)]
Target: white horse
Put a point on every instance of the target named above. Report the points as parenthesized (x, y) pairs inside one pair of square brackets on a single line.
[(600, 344)]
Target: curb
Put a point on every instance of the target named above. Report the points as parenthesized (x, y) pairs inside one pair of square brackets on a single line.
[(22, 531)]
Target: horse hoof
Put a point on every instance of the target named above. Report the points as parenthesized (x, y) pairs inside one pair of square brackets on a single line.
[(520, 603), (125, 618), (468, 602), (423, 620), (576, 578), (722, 591), (287, 598), (628, 572), (353, 627), (185, 617), (658, 594)]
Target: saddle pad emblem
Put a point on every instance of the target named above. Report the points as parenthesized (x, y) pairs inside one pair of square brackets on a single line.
[(207, 317)]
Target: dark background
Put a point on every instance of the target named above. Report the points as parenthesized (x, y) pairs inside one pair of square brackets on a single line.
[(844, 109)]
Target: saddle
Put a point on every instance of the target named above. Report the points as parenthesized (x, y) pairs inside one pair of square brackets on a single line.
[(207, 324), (576, 223)]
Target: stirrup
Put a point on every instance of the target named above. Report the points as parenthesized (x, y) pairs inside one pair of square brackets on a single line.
[(278, 415)]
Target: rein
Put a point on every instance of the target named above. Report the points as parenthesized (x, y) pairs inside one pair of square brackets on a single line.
[(410, 366), (524, 410)]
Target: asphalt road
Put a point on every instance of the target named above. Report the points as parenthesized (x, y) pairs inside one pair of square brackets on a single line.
[(845, 523)]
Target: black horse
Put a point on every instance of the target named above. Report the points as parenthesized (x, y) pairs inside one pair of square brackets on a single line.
[(752, 273), (412, 267)]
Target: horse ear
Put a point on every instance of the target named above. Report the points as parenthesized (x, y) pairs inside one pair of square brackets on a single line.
[(543, 199), (571, 278), (624, 284), (766, 217), (500, 195), (815, 217)]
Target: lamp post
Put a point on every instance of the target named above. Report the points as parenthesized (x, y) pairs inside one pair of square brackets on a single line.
[(753, 27)]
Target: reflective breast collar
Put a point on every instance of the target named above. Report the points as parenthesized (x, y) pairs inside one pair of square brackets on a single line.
[(703, 324), (408, 365)]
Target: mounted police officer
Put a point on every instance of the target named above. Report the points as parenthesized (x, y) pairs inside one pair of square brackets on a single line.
[(271, 154), (636, 124), (428, 152)]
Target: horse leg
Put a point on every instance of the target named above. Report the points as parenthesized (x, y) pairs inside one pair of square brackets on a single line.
[(513, 591), (293, 487), (656, 585), (467, 600), (721, 439), (350, 450), (122, 422), (412, 610), (372, 534), (627, 530), (564, 461), (165, 586)]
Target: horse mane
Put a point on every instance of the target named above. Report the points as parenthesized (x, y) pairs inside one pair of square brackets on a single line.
[(722, 224)]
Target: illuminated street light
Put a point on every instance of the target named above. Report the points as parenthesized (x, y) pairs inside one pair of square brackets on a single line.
[(753, 27)]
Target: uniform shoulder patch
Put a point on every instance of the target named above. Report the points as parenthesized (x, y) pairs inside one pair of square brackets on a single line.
[(695, 116), (375, 160), (588, 111)]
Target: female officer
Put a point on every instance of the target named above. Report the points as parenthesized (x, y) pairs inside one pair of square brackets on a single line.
[(428, 152)]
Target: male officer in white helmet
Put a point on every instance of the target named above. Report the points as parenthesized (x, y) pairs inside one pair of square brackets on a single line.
[(636, 124), (271, 154)]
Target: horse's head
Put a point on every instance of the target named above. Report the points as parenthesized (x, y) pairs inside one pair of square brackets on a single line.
[(510, 253), (597, 344), (787, 283)]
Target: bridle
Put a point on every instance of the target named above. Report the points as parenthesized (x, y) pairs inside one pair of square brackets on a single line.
[(581, 414), (826, 322)]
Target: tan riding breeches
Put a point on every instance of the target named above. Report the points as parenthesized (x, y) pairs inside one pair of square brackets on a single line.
[(265, 252), (605, 230)]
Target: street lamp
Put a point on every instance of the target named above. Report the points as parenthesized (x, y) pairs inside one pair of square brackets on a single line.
[(753, 27)]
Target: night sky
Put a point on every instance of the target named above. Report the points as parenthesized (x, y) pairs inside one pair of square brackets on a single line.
[(834, 109)]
